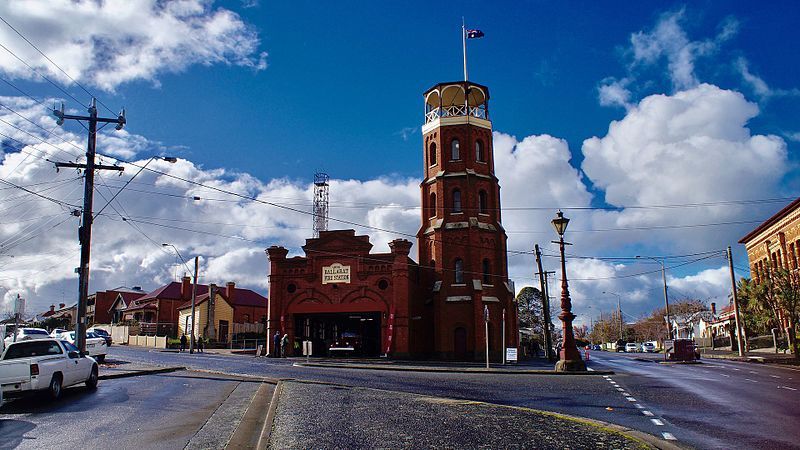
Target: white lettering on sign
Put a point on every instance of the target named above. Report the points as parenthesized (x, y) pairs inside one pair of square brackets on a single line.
[(335, 273)]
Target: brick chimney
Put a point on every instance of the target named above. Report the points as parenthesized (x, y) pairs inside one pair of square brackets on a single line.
[(230, 290), (713, 309), (52, 308), (186, 288), (61, 305)]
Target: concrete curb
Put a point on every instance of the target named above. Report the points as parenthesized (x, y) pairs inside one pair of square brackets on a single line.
[(136, 373), (266, 431), (450, 369)]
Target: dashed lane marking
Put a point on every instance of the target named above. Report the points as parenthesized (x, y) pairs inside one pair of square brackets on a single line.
[(753, 371), (774, 376), (787, 387), (754, 381), (630, 399), (647, 413), (638, 406), (668, 436), (621, 390), (657, 422), (727, 376)]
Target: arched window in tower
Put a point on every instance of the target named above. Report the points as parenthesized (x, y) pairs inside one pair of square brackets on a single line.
[(458, 271), (482, 205), (479, 151), (456, 201), (432, 205), (432, 154), (455, 152), (487, 272)]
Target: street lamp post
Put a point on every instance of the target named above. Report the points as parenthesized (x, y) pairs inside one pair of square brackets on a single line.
[(194, 294), (569, 357), (666, 298)]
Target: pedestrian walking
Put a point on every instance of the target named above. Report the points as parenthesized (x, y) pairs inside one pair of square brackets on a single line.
[(183, 342), (200, 344), (284, 345), (276, 345)]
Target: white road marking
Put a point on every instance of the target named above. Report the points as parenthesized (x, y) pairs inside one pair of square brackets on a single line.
[(753, 371), (657, 422), (734, 368), (774, 376), (668, 436), (748, 379), (631, 399), (787, 387), (590, 369), (647, 413), (725, 375), (620, 389), (638, 406)]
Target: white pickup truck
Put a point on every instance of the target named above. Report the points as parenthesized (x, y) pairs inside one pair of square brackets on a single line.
[(44, 365)]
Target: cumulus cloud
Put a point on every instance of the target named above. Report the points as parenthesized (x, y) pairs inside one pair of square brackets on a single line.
[(109, 43)]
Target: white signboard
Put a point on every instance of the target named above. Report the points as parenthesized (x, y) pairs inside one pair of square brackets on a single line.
[(335, 273), (306, 348), (511, 354)]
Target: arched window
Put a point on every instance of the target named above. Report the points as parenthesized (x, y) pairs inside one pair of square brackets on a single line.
[(455, 153), (432, 154), (456, 200), (487, 271), (432, 205), (458, 275), (482, 202), (479, 151)]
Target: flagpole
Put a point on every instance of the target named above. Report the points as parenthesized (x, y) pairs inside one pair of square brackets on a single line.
[(464, 46)]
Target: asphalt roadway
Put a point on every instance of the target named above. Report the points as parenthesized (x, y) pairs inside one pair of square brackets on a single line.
[(714, 404), (163, 411)]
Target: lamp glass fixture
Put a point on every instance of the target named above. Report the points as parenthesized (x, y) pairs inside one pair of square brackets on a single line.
[(560, 223)]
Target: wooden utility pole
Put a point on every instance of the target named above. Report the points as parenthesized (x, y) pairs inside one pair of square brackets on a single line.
[(739, 341), (85, 230), (548, 338), (194, 300)]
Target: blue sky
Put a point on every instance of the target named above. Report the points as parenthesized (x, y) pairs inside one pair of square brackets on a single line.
[(257, 96)]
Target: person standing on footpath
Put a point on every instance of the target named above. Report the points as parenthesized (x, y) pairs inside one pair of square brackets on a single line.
[(276, 344), (183, 342), (284, 345), (200, 344)]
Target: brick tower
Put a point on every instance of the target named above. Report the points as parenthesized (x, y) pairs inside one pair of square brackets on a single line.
[(461, 240)]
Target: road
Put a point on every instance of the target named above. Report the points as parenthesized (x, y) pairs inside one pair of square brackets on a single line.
[(714, 404), (153, 411)]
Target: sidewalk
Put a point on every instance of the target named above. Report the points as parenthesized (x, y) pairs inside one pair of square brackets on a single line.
[(757, 357)]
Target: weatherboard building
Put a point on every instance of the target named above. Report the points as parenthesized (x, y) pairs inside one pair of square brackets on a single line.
[(346, 300)]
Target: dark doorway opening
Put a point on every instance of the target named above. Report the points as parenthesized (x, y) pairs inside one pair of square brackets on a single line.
[(341, 334), (460, 343)]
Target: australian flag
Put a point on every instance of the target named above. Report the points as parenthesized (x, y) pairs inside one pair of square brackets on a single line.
[(474, 34)]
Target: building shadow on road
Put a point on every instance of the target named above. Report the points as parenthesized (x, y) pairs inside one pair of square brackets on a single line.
[(12, 432)]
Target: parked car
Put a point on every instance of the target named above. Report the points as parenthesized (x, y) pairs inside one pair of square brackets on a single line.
[(597, 347), (44, 365), (649, 347), (620, 347), (95, 344), (27, 334), (102, 333), (631, 347)]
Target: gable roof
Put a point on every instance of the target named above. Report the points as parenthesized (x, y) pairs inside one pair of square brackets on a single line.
[(241, 297)]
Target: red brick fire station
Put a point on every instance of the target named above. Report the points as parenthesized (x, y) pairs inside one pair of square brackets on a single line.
[(347, 300)]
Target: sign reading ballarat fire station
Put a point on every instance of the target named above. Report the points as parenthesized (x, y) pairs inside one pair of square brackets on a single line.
[(335, 273)]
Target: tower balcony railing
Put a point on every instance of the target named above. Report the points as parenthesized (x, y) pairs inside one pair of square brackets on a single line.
[(455, 111)]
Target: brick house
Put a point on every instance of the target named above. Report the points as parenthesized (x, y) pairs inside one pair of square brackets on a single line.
[(104, 306), (221, 313), (157, 311)]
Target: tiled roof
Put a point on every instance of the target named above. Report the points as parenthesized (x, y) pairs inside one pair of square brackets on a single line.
[(772, 220), (241, 297)]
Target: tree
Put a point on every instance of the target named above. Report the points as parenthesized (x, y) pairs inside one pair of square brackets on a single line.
[(786, 295), (756, 310), (529, 307)]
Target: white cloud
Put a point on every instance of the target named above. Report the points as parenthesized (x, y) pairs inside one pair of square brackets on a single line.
[(109, 43), (614, 92), (669, 41), (758, 85)]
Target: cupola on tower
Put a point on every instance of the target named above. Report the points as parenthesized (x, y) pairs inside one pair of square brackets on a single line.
[(462, 243)]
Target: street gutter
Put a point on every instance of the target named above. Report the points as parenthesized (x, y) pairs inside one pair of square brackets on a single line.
[(136, 373)]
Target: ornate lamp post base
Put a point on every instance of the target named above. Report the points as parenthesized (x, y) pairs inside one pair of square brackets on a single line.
[(571, 365)]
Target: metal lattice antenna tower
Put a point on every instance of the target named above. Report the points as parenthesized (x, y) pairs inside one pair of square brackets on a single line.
[(320, 202)]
